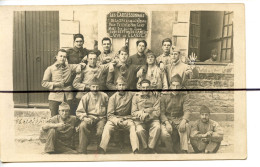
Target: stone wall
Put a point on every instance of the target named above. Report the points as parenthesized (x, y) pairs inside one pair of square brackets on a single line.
[(221, 103)]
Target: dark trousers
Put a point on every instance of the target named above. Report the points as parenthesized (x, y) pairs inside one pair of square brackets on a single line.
[(85, 129), (54, 145), (54, 107), (199, 146)]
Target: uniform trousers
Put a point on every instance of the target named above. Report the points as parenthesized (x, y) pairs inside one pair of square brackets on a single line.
[(148, 133), (200, 146), (110, 127)]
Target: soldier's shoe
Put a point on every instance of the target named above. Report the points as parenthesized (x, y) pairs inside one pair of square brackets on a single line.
[(151, 151), (101, 150), (136, 151)]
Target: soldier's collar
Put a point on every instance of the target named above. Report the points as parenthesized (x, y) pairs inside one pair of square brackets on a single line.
[(107, 52), (78, 49)]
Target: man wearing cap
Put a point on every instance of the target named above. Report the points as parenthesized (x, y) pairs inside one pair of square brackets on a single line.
[(107, 55), (139, 58), (146, 107), (58, 78), (176, 66), (119, 116), (153, 73), (206, 134), (61, 132), (175, 116), (164, 58), (92, 112), (122, 68)]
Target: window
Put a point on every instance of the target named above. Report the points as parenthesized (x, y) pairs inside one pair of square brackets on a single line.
[(227, 38)]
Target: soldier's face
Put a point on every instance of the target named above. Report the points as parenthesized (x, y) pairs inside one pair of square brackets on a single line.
[(61, 57), (94, 88), (121, 86), (106, 45), (144, 88), (174, 86), (141, 47), (78, 42), (92, 59), (64, 113), (204, 117), (123, 56), (150, 59), (175, 56), (166, 47)]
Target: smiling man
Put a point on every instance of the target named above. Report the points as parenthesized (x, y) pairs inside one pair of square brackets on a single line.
[(61, 132), (206, 134)]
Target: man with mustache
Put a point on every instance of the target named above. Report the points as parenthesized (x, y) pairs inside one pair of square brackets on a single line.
[(206, 134)]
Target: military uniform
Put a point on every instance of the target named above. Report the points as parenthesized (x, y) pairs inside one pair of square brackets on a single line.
[(212, 142), (148, 124), (119, 107), (102, 57), (137, 59), (93, 107), (157, 78), (58, 73), (61, 140), (75, 55), (165, 59), (175, 108), (83, 79)]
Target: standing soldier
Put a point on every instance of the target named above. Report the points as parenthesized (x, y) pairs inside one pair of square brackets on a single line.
[(139, 58), (164, 59), (206, 134), (176, 66), (61, 132), (107, 55), (77, 53), (92, 112), (122, 68), (146, 107), (119, 116), (153, 73), (92, 70), (58, 79), (175, 116)]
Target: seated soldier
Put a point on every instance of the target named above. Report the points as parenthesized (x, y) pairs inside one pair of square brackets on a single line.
[(92, 112), (119, 116), (146, 107), (175, 116), (61, 131), (206, 134)]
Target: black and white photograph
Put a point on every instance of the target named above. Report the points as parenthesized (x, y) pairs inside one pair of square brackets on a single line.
[(126, 82)]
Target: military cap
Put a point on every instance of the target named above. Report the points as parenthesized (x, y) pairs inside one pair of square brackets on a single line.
[(124, 49), (204, 109), (121, 79), (64, 106), (176, 78), (145, 81), (94, 81)]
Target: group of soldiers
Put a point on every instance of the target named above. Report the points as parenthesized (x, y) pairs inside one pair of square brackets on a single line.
[(94, 94)]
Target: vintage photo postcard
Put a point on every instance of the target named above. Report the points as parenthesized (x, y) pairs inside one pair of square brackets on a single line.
[(123, 82)]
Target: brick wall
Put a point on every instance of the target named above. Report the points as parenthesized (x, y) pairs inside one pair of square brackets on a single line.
[(221, 103)]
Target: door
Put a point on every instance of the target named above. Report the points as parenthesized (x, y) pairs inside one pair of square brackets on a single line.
[(38, 33)]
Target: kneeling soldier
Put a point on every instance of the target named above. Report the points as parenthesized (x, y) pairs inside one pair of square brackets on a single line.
[(61, 131), (92, 112), (206, 134), (146, 107), (175, 115), (119, 116)]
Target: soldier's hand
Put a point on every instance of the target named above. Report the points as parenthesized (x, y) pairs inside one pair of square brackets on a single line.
[(149, 110), (60, 125), (168, 127), (161, 66), (88, 120), (182, 126), (120, 121), (58, 84), (111, 67), (209, 133), (204, 140), (139, 73)]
